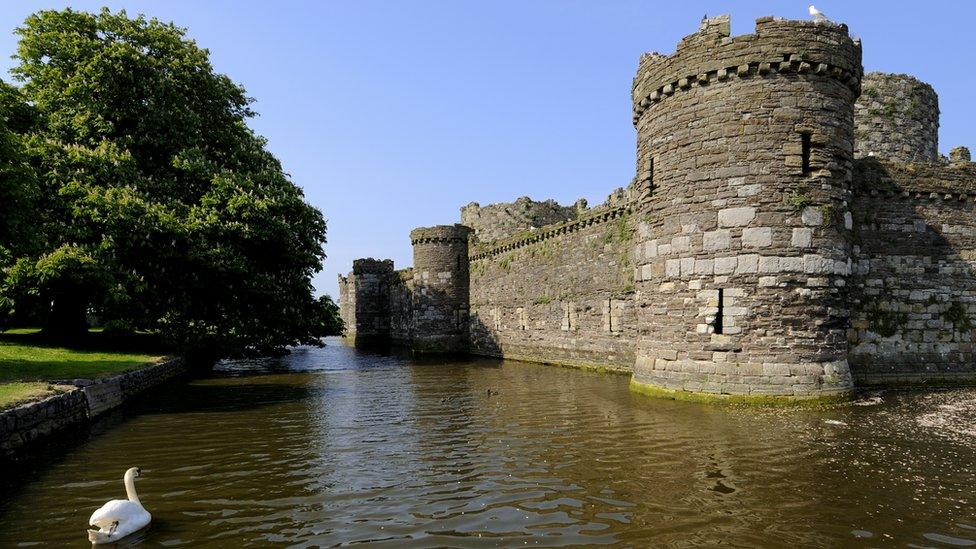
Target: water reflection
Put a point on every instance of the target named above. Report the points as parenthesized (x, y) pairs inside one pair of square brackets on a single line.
[(330, 446)]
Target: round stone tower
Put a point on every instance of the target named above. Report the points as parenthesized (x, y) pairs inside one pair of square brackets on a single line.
[(896, 118), (745, 151), (440, 271)]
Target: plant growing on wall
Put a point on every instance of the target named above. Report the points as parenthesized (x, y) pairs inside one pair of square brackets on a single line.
[(798, 201), (885, 323), (956, 314), (828, 212)]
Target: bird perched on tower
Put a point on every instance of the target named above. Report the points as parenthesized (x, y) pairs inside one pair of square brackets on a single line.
[(818, 16)]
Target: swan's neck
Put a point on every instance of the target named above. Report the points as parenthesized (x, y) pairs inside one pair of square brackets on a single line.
[(130, 487)]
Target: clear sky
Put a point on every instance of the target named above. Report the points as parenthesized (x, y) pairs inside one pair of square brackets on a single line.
[(392, 115)]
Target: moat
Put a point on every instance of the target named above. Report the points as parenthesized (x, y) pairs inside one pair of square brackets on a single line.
[(330, 446)]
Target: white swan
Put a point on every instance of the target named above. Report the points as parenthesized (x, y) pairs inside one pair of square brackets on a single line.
[(119, 517)]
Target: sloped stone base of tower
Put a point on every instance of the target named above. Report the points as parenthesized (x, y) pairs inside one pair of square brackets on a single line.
[(440, 345), (698, 380)]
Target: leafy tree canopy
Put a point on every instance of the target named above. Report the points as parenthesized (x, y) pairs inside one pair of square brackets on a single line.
[(149, 199)]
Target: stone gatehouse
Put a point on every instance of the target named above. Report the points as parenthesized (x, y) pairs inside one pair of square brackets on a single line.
[(791, 232)]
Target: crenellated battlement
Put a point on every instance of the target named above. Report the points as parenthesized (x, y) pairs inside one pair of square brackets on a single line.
[(440, 234), (778, 46)]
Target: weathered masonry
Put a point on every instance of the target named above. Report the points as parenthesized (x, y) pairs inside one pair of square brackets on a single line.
[(791, 232)]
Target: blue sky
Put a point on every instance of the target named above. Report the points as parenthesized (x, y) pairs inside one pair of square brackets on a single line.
[(392, 115)]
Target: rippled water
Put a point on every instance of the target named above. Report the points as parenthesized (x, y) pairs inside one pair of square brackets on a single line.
[(330, 446)]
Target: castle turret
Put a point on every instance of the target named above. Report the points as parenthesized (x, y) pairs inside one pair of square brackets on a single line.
[(440, 291), (364, 297), (745, 151), (897, 119)]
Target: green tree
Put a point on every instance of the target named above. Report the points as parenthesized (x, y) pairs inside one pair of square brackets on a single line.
[(159, 208)]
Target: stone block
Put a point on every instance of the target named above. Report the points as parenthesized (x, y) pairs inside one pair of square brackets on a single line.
[(670, 355), (749, 190), (791, 264), (757, 237), (812, 216), (717, 240), (725, 265), (736, 217), (769, 264), (681, 244), (776, 369), (814, 264), (705, 266), (672, 268), (747, 263), (802, 238)]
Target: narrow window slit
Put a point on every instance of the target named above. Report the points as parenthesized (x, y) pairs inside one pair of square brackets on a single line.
[(805, 153), (719, 314)]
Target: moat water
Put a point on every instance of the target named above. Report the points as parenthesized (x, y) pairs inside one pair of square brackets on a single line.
[(332, 446)]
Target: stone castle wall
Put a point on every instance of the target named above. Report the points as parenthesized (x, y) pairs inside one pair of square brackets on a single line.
[(896, 119), (750, 256), (562, 294), (401, 307), (915, 274)]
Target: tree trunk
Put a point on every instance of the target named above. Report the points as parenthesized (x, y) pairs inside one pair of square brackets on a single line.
[(68, 317)]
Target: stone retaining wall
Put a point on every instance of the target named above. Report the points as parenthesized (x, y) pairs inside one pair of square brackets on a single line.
[(32, 424)]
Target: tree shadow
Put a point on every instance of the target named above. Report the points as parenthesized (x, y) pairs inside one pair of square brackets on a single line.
[(102, 341)]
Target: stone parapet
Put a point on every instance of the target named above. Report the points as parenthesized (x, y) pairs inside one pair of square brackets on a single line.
[(796, 48)]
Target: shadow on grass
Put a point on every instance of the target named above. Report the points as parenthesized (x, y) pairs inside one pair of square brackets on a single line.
[(30, 355), (96, 340), (64, 370)]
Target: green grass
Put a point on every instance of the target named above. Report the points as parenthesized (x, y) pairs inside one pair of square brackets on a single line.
[(12, 394), (29, 361)]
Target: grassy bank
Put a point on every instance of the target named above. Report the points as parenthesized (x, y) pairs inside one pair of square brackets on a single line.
[(29, 362)]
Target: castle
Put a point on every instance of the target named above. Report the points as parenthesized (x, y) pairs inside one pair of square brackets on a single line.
[(791, 233)]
